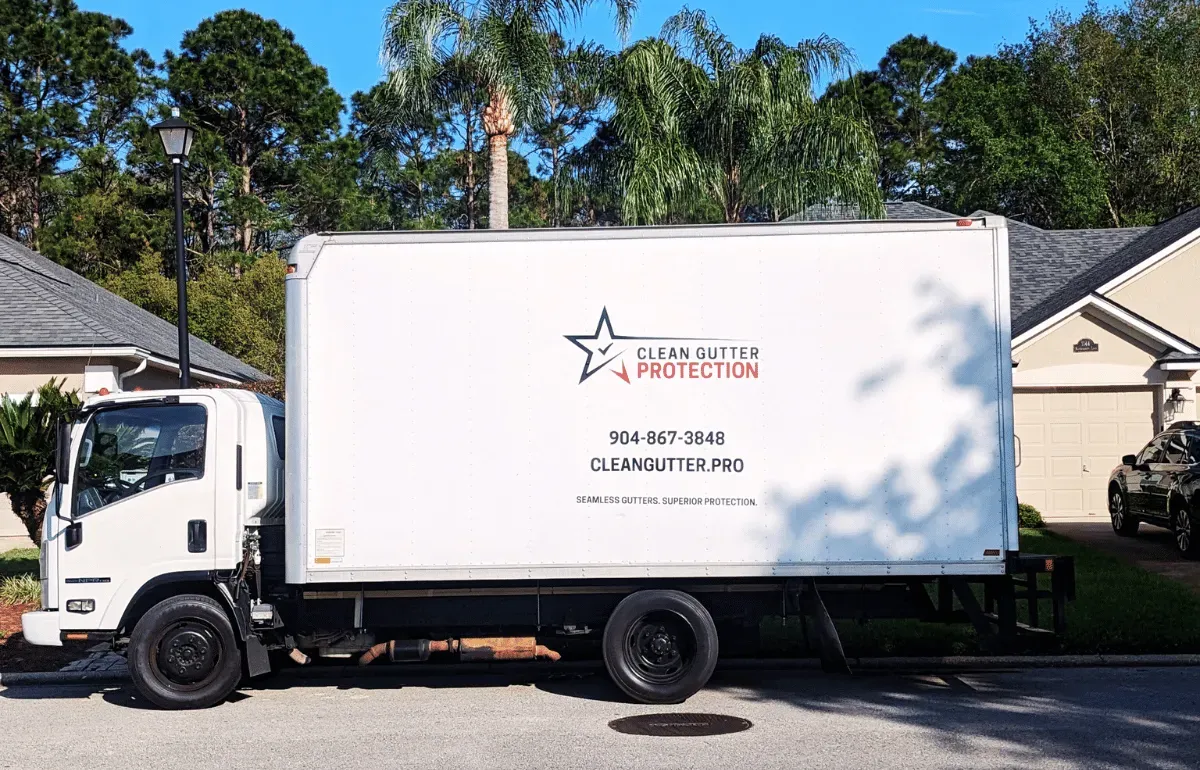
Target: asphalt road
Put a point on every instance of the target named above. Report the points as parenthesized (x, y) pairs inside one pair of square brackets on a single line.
[(1061, 718)]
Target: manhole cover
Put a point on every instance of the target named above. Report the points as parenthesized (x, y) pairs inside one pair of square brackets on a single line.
[(680, 725)]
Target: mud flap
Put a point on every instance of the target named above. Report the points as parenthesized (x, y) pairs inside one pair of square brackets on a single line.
[(833, 657), (257, 660)]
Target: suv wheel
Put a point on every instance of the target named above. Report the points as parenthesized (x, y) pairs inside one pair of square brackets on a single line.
[(1123, 523), (1184, 524)]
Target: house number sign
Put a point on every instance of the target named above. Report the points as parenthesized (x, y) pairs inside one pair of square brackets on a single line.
[(1086, 345)]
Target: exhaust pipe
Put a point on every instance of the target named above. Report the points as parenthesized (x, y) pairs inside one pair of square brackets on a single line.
[(472, 649), (504, 648)]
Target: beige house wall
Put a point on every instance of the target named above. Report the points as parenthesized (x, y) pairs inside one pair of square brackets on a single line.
[(12, 531), (153, 379), (1166, 293), (1122, 361), (21, 375), (1051, 361)]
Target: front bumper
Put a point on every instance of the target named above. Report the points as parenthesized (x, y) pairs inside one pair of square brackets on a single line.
[(41, 628)]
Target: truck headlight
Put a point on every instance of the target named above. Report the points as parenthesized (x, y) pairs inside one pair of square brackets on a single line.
[(82, 606)]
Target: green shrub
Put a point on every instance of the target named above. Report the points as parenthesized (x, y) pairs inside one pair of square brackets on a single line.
[(1029, 517), (20, 589), (28, 428)]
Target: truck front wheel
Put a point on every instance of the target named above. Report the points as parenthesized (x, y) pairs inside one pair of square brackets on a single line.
[(660, 646), (183, 654)]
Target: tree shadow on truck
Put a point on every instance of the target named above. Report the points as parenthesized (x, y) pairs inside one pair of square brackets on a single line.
[(925, 487)]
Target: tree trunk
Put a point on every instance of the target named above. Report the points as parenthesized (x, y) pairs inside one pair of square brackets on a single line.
[(498, 124), (472, 214), (556, 202), (30, 508), (498, 182), (36, 201), (210, 209), (247, 227)]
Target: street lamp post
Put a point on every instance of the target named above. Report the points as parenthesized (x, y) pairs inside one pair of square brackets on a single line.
[(176, 135)]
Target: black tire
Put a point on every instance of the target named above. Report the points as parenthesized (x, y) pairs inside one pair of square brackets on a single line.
[(1124, 523), (183, 654), (1186, 527), (660, 646)]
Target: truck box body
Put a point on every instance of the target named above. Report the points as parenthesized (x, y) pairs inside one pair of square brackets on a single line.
[(812, 399)]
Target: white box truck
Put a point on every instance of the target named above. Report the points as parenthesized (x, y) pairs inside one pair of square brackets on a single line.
[(499, 444)]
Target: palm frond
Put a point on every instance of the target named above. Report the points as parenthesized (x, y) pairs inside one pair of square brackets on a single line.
[(705, 124), (420, 37), (704, 44)]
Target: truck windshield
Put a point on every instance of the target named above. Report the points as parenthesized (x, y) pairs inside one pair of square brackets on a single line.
[(128, 451)]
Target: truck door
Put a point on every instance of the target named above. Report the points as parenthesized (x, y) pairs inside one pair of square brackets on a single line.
[(141, 504)]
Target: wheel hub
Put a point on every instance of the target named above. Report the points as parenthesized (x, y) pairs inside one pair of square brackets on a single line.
[(1116, 511), (659, 648), (188, 654), (661, 644)]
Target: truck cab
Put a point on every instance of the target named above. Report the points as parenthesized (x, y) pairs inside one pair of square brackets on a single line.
[(155, 490)]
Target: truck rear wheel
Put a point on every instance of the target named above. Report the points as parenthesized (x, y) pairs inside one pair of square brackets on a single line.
[(183, 654), (660, 646)]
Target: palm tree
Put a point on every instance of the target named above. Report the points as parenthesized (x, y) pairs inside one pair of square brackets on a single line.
[(710, 131), (27, 441), (504, 46)]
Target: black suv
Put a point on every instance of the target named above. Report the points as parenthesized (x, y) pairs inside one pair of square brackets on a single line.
[(1161, 485)]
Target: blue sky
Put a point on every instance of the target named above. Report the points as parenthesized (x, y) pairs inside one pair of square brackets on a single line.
[(343, 35)]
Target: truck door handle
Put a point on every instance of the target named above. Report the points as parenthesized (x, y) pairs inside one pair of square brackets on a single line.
[(197, 536)]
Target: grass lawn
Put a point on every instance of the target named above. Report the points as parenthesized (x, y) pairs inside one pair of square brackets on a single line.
[(19, 561), (1119, 609)]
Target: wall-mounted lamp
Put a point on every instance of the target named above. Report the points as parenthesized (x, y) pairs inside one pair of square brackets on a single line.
[(1175, 403)]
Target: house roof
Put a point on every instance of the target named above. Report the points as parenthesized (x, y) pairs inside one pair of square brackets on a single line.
[(1041, 262), (45, 305), (1148, 242), (845, 212)]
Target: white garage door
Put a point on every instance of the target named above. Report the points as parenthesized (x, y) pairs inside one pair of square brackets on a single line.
[(1070, 442)]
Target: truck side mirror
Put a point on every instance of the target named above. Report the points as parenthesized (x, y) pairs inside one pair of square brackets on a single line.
[(1130, 460), (62, 452)]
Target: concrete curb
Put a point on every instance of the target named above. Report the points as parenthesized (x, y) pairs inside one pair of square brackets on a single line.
[(893, 665)]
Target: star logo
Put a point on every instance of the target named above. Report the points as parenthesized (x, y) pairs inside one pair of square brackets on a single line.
[(602, 348)]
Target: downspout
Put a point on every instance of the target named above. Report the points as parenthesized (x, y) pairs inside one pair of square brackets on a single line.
[(135, 370)]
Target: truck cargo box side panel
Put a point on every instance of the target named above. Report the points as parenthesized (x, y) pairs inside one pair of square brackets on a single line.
[(724, 401)]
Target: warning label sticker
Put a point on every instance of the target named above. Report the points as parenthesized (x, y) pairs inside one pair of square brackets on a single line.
[(328, 545)]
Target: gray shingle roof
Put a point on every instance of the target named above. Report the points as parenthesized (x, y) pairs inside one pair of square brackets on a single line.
[(1040, 261), (43, 304), (845, 212), (1043, 261), (1146, 243)]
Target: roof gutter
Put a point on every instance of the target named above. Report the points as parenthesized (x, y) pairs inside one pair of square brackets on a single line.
[(116, 352)]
